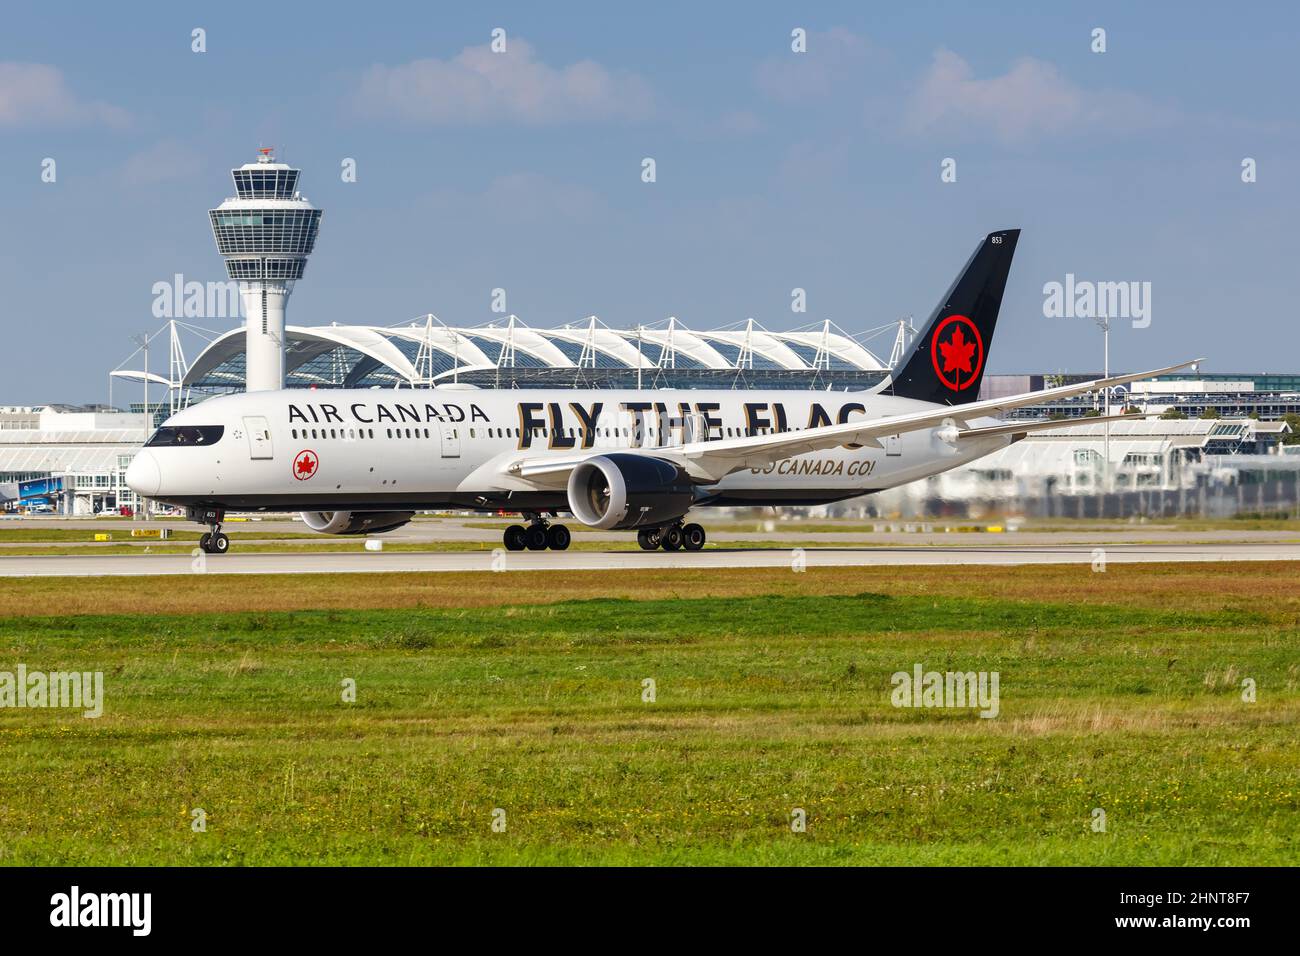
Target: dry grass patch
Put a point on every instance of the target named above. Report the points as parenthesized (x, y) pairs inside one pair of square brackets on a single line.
[(1270, 588)]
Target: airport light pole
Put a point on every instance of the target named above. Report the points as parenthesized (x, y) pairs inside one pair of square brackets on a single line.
[(1103, 323), (143, 340), (639, 359)]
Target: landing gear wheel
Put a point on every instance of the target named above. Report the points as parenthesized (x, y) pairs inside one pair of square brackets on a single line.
[(692, 537), (514, 537), (535, 537), (220, 544), (648, 538), (672, 539), (558, 537), (205, 542)]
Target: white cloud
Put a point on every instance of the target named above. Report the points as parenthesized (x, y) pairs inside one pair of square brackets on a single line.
[(830, 61), (1030, 99), (36, 94), (479, 86)]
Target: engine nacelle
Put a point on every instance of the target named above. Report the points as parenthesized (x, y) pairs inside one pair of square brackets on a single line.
[(355, 522), (619, 491)]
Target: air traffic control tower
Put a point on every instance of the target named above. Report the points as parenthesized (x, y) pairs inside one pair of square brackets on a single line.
[(265, 233)]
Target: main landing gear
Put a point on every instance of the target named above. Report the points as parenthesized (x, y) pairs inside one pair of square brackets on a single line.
[(538, 536), (214, 541), (673, 537)]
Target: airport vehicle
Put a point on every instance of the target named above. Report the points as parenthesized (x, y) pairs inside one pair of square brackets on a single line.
[(364, 461)]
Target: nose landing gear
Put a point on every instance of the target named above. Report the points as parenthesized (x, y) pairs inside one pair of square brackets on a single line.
[(214, 541), (538, 536)]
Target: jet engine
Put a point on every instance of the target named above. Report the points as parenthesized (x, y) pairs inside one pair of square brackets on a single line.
[(618, 491), (355, 522)]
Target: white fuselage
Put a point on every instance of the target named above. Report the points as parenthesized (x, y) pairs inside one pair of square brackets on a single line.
[(326, 450)]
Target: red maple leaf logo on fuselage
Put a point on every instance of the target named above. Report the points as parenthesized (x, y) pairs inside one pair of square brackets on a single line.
[(304, 466)]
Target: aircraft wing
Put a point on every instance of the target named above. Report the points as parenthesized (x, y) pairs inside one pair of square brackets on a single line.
[(711, 461)]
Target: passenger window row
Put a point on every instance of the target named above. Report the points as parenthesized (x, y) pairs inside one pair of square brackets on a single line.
[(347, 434), (353, 434)]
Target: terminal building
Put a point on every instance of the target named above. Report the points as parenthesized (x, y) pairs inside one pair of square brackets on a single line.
[(1193, 394), (1153, 467), (67, 459), (510, 354)]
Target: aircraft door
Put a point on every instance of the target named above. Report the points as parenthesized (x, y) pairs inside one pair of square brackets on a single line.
[(894, 445), (259, 438), (449, 438)]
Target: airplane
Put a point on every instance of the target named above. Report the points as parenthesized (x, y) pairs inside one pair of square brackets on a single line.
[(364, 461)]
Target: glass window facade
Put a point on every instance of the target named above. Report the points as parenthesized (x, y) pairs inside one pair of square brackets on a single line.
[(573, 352), (250, 269), (731, 353), (809, 354), (280, 231), (489, 347), (328, 369), (265, 183)]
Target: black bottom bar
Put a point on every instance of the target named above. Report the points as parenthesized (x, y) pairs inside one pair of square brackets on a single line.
[(966, 906)]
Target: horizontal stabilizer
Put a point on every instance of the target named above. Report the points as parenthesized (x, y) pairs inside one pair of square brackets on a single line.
[(1016, 428)]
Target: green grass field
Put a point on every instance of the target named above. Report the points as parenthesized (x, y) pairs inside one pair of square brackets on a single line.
[(523, 692)]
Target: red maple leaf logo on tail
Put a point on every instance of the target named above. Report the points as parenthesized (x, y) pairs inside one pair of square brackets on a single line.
[(958, 360), (957, 354)]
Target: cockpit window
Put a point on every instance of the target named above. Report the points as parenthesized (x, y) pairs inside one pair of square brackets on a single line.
[(170, 435)]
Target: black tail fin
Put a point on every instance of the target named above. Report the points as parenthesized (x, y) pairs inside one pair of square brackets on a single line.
[(948, 357)]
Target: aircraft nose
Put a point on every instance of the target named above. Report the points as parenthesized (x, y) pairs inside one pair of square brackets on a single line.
[(143, 475)]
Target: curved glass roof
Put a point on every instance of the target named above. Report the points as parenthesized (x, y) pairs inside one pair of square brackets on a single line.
[(426, 352)]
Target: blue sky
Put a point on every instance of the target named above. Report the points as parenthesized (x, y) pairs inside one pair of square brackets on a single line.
[(775, 170)]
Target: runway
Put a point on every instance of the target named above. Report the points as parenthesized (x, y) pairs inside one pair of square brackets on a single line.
[(364, 562)]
